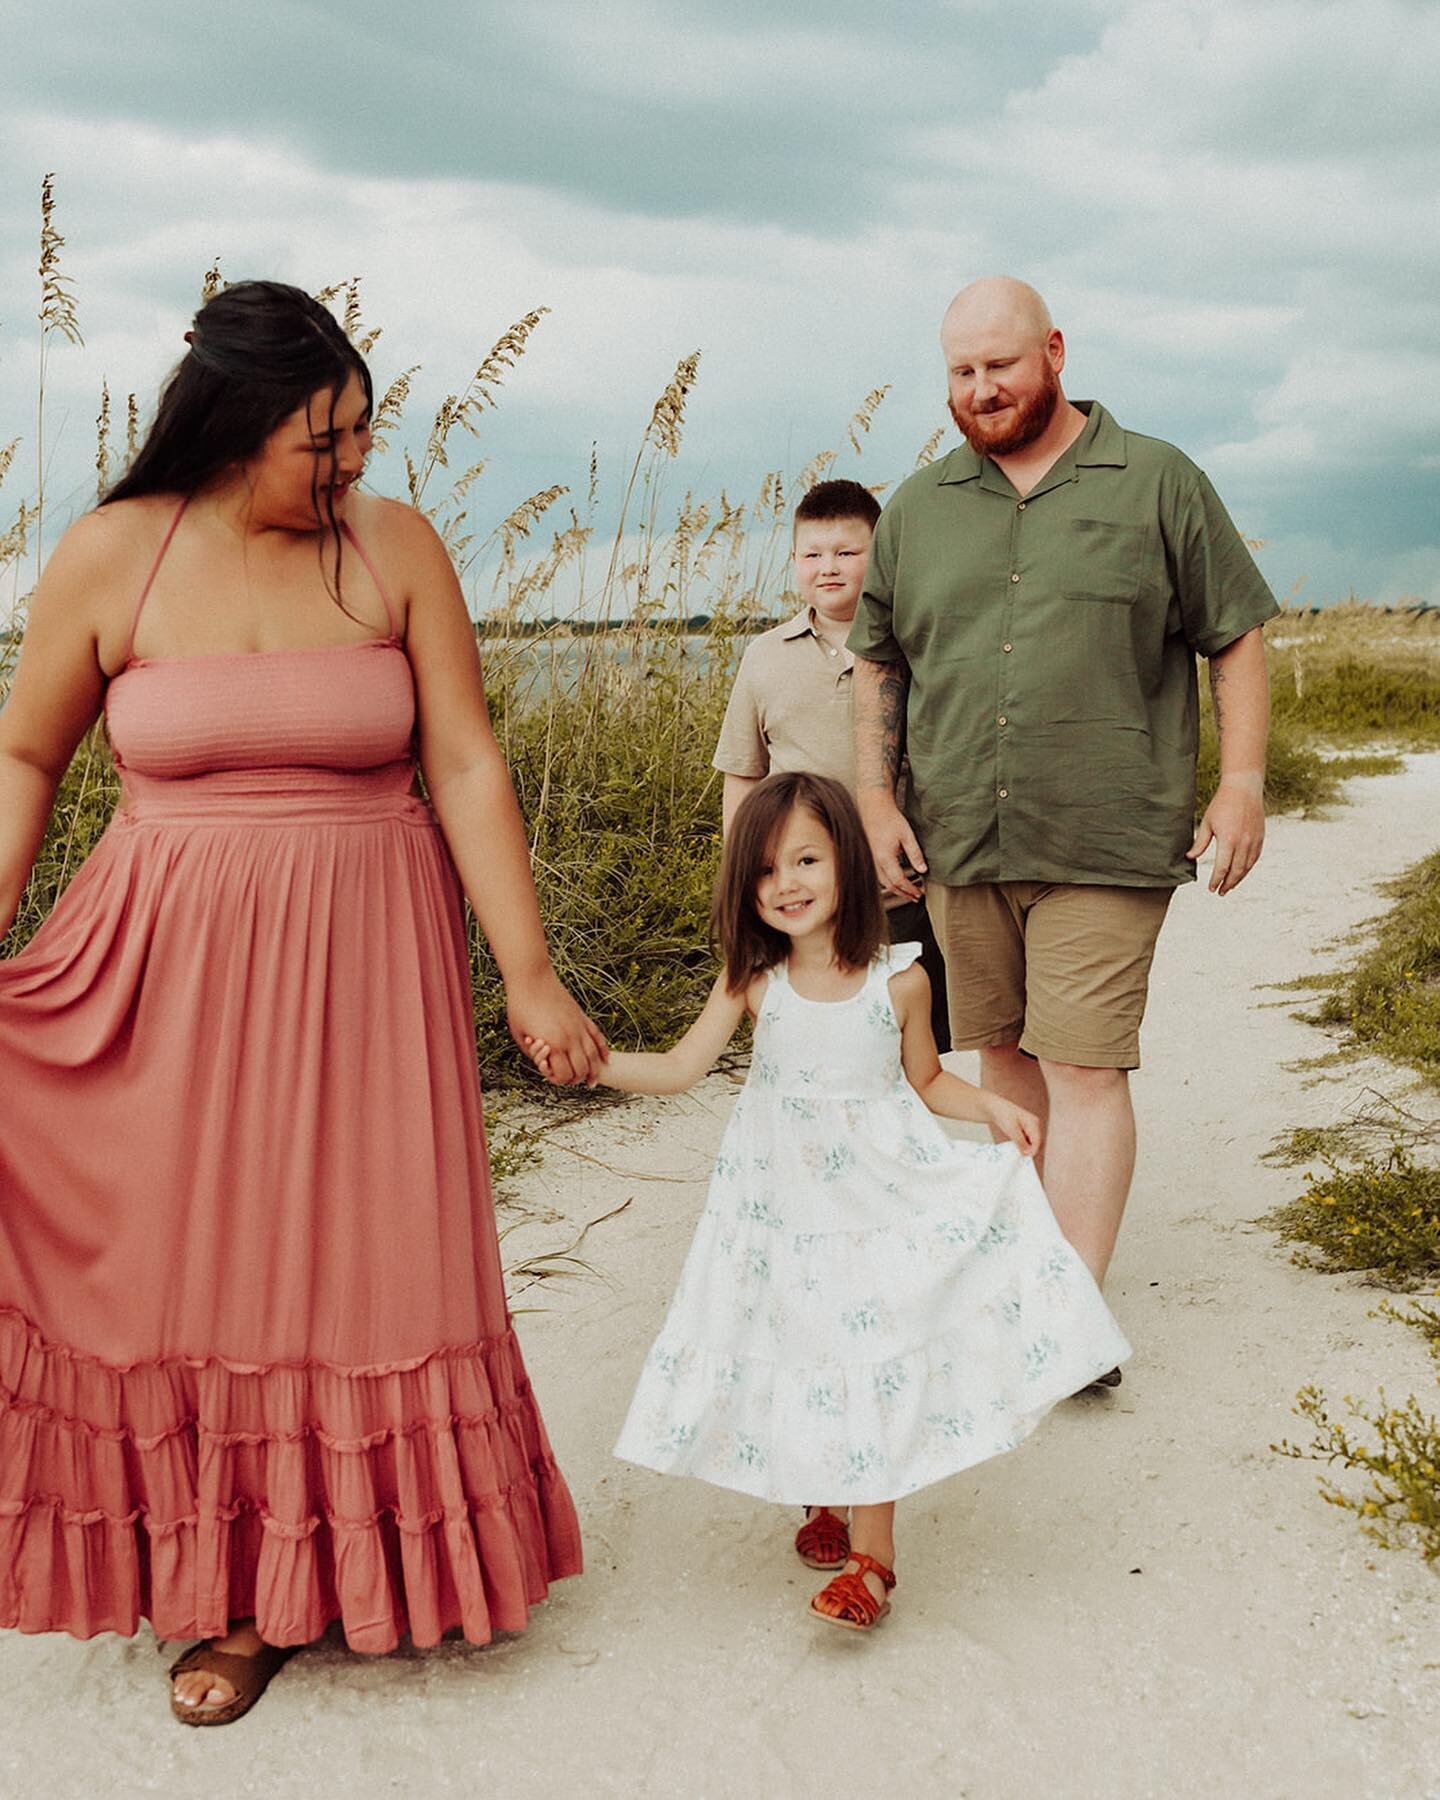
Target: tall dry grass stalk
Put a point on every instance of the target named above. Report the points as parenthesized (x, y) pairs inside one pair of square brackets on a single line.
[(102, 442), (57, 315)]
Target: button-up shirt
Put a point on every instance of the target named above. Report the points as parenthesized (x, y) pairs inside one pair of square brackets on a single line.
[(1053, 708), (790, 706)]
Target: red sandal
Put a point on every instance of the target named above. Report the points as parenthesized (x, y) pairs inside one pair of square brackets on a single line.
[(856, 1608), (823, 1541)]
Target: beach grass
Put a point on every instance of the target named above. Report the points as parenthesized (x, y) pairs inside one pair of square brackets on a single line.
[(1371, 1206), (1395, 1448)]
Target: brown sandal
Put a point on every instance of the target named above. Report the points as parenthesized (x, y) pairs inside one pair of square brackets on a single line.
[(856, 1608), (248, 1675), (823, 1541)]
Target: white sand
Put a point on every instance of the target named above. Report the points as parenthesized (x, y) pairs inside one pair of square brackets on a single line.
[(1141, 1601)]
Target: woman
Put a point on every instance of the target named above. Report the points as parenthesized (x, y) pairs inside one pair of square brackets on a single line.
[(256, 1370)]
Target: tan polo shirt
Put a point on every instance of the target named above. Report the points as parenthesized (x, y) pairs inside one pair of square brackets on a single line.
[(790, 707)]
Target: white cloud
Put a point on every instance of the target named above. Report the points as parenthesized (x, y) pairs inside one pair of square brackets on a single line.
[(1229, 207)]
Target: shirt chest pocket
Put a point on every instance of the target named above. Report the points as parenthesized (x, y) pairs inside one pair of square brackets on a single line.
[(1103, 561)]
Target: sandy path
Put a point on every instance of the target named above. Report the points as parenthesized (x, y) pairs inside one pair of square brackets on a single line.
[(1141, 1601)]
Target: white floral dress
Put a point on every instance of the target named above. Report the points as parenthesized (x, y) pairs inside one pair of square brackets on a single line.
[(868, 1305)]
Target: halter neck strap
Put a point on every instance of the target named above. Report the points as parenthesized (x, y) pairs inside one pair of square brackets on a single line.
[(150, 578), (374, 575)]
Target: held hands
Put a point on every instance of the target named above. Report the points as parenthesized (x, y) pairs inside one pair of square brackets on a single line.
[(543, 1057), (893, 844), (1022, 1128), (1234, 822), (540, 1012)]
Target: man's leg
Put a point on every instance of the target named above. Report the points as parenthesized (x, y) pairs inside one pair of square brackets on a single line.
[(1006, 1070), (1090, 1156), (981, 936), (1087, 966)]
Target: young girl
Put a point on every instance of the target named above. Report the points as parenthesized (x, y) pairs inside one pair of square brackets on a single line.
[(868, 1305)]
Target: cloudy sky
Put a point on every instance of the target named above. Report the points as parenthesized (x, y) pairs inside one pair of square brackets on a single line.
[(1230, 206)]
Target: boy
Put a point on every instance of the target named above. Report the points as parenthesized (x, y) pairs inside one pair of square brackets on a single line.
[(790, 706)]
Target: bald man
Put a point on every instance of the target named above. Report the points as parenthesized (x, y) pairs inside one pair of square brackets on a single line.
[(1027, 636)]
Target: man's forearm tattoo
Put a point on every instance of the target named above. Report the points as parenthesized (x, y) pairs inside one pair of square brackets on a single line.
[(880, 739), (1217, 677)]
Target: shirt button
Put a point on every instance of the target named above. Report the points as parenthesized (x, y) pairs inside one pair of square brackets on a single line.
[(1007, 648), (1004, 793), (1014, 577), (1020, 507), (1002, 720)]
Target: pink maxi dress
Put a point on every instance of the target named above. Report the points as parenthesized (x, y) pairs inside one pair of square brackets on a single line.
[(255, 1356)]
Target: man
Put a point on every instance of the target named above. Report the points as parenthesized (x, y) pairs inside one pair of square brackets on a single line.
[(1028, 632)]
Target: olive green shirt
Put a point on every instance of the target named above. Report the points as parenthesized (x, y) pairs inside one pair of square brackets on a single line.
[(1053, 708)]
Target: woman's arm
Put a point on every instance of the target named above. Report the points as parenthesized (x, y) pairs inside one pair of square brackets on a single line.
[(474, 800), (54, 699), (667, 1071), (944, 1093)]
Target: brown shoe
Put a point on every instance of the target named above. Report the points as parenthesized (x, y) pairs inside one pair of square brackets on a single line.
[(248, 1675)]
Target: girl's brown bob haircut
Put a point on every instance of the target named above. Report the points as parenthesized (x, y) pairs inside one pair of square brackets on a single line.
[(745, 942)]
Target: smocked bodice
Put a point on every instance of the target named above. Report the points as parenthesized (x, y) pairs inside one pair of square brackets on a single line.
[(346, 709)]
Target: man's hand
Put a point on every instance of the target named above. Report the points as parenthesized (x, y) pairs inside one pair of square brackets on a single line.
[(892, 843), (1234, 822)]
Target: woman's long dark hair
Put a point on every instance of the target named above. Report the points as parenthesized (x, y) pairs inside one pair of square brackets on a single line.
[(747, 945), (258, 351)]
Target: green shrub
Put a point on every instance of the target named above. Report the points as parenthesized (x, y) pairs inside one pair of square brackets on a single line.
[(1389, 1001), (1400, 1507), (1360, 701), (1380, 1216)]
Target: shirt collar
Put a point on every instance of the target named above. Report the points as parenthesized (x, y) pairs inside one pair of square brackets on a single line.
[(1100, 445), (799, 625), (803, 625)]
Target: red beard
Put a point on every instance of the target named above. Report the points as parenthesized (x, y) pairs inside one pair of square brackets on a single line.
[(1020, 429)]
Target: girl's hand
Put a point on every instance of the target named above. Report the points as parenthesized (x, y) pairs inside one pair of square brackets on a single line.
[(541, 1013), (1022, 1128), (540, 1054)]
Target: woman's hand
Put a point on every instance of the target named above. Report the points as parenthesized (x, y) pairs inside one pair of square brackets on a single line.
[(1022, 1128), (541, 1012)]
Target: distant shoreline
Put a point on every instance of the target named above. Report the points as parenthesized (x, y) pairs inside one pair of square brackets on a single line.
[(701, 624)]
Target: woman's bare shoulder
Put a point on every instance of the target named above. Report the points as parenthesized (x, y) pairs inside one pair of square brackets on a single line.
[(389, 524), (104, 556)]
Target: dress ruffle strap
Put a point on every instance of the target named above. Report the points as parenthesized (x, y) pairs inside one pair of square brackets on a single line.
[(411, 1497)]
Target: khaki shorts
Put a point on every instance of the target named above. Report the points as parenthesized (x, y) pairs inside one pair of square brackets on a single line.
[(1061, 970)]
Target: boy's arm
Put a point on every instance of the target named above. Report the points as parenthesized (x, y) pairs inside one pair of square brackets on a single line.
[(742, 754), (736, 788), (943, 1093), (667, 1071)]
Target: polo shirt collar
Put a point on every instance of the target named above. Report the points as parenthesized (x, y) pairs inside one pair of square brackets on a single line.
[(1100, 445), (803, 625)]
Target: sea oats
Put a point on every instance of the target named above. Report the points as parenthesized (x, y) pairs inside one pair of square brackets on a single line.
[(927, 450), (668, 414), (387, 413), (102, 442), (859, 424)]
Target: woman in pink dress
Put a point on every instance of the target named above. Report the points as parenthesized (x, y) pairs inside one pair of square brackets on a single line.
[(256, 1368)]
